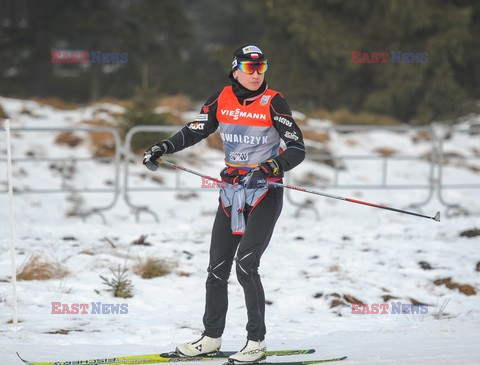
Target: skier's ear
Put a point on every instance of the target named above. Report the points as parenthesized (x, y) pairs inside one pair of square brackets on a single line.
[(234, 74)]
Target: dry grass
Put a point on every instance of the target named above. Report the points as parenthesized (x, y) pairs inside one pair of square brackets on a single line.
[(39, 268), (450, 284), (3, 114), (152, 268), (141, 241), (322, 137), (343, 116), (69, 139), (56, 103), (126, 103), (421, 136), (470, 233), (386, 151), (101, 142), (179, 102), (76, 208)]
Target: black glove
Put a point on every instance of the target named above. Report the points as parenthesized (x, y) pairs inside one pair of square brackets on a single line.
[(153, 154), (257, 178)]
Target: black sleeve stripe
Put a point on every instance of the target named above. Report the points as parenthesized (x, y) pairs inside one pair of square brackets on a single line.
[(298, 148)]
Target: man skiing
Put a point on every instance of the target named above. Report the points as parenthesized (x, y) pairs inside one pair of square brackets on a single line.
[(253, 119)]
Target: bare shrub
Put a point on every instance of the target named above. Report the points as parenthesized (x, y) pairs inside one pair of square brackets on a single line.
[(153, 267), (39, 268)]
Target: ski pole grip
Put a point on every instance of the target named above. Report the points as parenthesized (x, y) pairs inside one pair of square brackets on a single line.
[(151, 165)]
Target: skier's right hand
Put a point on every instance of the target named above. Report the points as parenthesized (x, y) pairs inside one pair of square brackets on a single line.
[(151, 155)]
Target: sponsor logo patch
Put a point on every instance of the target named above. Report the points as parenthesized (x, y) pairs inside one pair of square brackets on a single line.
[(197, 126), (201, 118), (282, 120), (251, 49), (238, 156), (237, 113), (291, 135), (264, 100)]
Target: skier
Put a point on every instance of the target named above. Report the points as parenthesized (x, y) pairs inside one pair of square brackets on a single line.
[(253, 119)]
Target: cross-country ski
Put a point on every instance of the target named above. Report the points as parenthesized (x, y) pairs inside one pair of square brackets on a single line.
[(173, 357)]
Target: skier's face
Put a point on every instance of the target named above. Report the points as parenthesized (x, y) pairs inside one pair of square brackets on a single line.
[(250, 82)]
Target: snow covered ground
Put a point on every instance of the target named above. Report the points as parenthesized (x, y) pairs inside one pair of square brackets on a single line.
[(311, 271)]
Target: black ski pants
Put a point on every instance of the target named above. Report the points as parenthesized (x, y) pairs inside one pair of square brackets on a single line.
[(246, 250)]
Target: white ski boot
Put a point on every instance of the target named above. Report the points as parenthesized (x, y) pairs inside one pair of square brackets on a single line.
[(253, 352), (204, 345)]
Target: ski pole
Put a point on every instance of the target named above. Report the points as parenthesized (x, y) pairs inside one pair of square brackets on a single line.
[(436, 217), (171, 164)]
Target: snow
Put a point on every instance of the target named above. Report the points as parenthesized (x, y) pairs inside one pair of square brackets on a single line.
[(349, 250)]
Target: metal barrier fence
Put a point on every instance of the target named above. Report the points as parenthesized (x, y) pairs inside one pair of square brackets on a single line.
[(433, 163), (66, 162), (444, 185), (384, 162)]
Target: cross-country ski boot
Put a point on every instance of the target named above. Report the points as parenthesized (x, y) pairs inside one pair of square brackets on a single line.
[(204, 345), (253, 352)]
